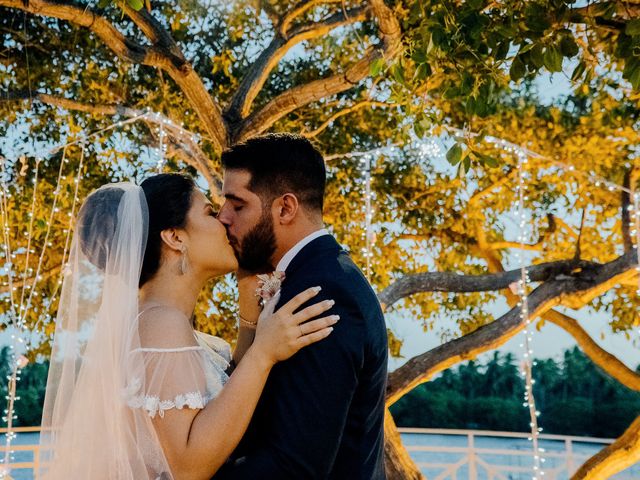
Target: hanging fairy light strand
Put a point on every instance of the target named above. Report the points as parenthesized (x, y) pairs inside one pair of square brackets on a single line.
[(367, 251), (161, 152), (8, 255), (69, 228), (28, 270), (635, 222), (523, 285)]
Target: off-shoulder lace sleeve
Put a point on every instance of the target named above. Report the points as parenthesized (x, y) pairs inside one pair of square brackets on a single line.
[(171, 368), (187, 377)]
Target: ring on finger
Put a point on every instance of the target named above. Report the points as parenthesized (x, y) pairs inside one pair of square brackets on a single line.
[(301, 332)]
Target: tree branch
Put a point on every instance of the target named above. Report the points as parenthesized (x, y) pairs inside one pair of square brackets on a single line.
[(453, 282), (252, 83), (298, 10), (341, 113), (311, 92), (606, 361), (163, 54), (182, 72), (548, 295), (190, 153), (69, 104), (621, 454)]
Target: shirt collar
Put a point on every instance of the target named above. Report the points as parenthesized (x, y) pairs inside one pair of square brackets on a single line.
[(290, 255)]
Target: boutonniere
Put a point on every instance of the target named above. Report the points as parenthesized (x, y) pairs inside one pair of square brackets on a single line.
[(268, 286)]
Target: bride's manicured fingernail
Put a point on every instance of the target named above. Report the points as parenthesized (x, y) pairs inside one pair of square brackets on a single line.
[(317, 289), (336, 317)]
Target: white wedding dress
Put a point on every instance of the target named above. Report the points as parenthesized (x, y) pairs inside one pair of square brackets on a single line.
[(105, 388)]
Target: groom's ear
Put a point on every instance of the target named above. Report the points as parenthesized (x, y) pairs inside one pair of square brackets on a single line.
[(287, 208), (171, 238)]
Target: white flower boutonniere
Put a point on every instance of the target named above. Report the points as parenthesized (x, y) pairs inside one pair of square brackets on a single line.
[(268, 286)]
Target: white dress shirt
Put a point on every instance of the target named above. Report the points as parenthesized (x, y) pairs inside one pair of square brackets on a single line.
[(290, 255)]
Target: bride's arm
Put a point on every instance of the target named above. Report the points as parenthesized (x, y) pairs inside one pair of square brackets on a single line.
[(197, 442), (249, 311)]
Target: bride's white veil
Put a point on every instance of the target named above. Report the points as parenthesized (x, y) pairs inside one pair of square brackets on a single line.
[(88, 431)]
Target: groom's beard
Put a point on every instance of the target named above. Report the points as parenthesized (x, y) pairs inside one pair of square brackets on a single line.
[(258, 246)]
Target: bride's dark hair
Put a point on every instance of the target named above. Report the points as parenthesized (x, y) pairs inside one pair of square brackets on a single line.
[(169, 197), (97, 224)]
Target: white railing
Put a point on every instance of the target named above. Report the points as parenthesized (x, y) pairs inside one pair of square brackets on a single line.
[(30, 451), (449, 454), (440, 460)]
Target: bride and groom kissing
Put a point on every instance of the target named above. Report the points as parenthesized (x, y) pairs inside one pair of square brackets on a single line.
[(135, 392)]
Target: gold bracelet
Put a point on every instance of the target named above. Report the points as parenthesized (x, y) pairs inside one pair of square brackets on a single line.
[(246, 323)]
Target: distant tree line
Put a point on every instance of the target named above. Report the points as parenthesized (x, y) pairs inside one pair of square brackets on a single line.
[(30, 390), (573, 395)]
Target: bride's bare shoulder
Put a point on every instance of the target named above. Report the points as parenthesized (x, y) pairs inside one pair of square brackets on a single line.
[(165, 327)]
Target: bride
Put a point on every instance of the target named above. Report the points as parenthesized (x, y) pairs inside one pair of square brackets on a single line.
[(134, 392)]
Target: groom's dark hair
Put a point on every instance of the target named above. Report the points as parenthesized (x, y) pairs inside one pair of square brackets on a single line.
[(281, 163)]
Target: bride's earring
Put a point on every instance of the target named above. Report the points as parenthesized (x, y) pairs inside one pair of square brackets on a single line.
[(184, 263)]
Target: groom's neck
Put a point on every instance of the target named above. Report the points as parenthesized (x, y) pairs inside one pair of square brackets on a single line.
[(288, 237)]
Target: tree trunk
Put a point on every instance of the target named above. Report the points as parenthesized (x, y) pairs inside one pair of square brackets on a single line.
[(621, 454), (398, 464)]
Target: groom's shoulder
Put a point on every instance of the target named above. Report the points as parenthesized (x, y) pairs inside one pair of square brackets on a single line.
[(330, 263), (335, 271)]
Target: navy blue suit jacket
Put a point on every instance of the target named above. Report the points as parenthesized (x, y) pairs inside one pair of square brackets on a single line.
[(321, 413)]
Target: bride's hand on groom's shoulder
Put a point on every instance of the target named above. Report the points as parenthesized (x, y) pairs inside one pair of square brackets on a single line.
[(282, 333)]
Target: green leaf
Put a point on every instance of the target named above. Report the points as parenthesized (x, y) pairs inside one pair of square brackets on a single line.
[(467, 164), (104, 3), (631, 72), (502, 50), (578, 71), (376, 66), (398, 73), (517, 70), (419, 56), (569, 47), (634, 78), (135, 4), (487, 160), (526, 47), (633, 27), (553, 59), (536, 55), (454, 155), (422, 72)]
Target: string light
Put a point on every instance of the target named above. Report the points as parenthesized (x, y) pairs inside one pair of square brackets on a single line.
[(634, 228), (161, 153), (367, 251), (523, 284)]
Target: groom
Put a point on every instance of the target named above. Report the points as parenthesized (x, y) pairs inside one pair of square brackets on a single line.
[(321, 413)]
